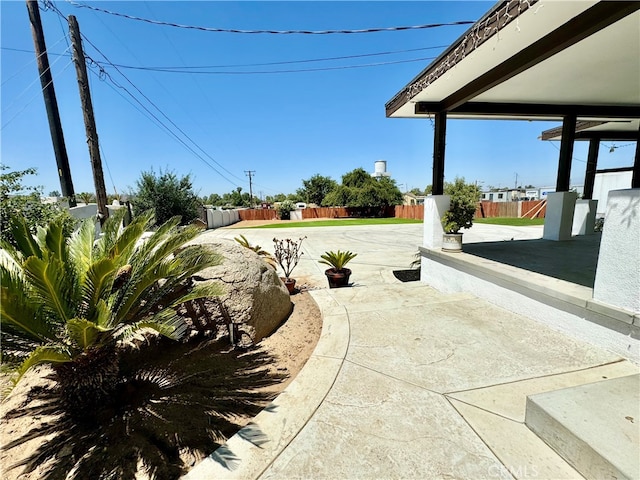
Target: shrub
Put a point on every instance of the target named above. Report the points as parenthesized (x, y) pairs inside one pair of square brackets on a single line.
[(463, 202), (167, 196), (284, 209), (16, 199), (68, 301)]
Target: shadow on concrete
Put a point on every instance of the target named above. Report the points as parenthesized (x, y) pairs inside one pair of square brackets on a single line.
[(573, 261)]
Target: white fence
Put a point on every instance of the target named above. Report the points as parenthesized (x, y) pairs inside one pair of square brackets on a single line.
[(221, 218)]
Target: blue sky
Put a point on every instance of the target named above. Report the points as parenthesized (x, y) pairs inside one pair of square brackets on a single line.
[(285, 126)]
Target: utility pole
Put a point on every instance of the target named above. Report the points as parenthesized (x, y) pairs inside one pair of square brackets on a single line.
[(515, 187), (250, 173), (51, 104), (89, 120)]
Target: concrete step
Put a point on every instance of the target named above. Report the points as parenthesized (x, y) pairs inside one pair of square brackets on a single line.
[(594, 427)]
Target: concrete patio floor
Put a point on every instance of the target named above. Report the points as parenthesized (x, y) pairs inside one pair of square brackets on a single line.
[(408, 382)]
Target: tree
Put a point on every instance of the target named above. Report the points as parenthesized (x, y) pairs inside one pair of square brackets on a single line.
[(213, 199), (86, 197), (16, 199), (167, 196), (428, 190), (68, 301), (316, 188), (54, 193), (359, 189), (416, 191), (357, 178)]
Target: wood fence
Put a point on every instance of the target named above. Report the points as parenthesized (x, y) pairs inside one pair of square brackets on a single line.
[(415, 212), (484, 210), (511, 209), (258, 214)]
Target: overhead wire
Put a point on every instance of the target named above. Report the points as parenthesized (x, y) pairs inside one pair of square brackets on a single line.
[(169, 120), (272, 32), (31, 100), (289, 62), (241, 65), (21, 69), (263, 72), (37, 79), (173, 134)]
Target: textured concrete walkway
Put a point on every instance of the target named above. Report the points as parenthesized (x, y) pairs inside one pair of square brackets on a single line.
[(407, 382)]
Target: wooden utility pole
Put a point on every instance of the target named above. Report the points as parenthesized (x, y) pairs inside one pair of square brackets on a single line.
[(51, 104), (89, 120), (250, 173)]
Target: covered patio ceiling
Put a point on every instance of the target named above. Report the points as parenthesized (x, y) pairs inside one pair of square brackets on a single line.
[(536, 60)]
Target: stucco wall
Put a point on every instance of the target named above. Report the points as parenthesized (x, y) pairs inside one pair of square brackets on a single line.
[(618, 273)]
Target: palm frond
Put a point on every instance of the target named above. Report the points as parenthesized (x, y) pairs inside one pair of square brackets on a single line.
[(84, 333), (102, 315), (40, 355), (129, 236), (202, 290), (55, 240), (110, 231), (174, 273), (18, 307), (81, 248), (25, 242), (98, 281), (47, 277), (167, 322)]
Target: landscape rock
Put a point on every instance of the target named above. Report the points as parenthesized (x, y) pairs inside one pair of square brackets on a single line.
[(255, 300)]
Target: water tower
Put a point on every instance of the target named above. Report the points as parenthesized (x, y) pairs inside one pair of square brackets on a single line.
[(380, 169)]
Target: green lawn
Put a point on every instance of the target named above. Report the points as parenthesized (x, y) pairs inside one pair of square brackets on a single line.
[(341, 222), (514, 222)]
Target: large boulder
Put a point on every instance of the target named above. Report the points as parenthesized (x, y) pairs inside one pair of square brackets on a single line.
[(255, 299)]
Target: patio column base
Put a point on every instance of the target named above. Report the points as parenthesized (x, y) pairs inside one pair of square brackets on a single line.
[(434, 208), (584, 217), (617, 280), (559, 217)]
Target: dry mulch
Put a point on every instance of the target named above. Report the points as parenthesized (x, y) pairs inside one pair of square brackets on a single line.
[(182, 401)]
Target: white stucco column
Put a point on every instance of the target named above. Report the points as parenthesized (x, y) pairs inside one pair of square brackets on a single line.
[(584, 217), (558, 220), (618, 272), (434, 208)]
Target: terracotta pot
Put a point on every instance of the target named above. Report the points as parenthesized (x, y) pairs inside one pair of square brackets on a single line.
[(337, 278), (290, 283)]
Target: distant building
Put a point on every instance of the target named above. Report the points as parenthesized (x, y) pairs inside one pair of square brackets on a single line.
[(411, 199), (505, 195)]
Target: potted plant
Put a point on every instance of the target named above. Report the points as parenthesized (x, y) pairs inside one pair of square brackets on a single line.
[(464, 199), (287, 254), (337, 274)]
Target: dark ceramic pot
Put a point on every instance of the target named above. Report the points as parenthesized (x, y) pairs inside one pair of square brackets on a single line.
[(338, 278)]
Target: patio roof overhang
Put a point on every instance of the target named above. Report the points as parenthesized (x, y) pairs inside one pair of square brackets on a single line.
[(578, 62), (615, 130), (535, 60)]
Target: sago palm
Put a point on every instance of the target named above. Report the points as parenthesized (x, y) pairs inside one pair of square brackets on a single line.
[(70, 301)]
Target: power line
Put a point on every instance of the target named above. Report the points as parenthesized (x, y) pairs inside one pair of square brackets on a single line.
[(263, 64), (107, 75), (260, 72), (288, 62), (33, 98), (33, 82), (33, 59), (272, 32)]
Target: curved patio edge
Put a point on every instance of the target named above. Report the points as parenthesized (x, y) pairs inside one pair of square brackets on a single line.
[(282, 420)]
